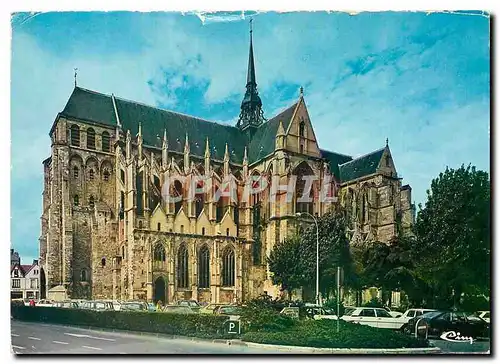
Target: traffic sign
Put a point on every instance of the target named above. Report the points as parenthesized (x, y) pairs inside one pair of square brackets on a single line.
[(232, 326)]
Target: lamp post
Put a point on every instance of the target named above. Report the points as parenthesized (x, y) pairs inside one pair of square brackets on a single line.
[(299, 214)]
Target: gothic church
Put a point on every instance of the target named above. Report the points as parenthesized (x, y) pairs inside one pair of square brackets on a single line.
[(107, 233)]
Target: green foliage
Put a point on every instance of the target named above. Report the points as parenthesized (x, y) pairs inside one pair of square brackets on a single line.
[(259, 318), (332, 304), (374, 302), (323, 334), (285, 263), (453, 231), (293, 261), (205, 326)]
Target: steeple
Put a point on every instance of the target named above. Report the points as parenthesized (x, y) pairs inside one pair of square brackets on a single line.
[(245, 163), (251, 115)]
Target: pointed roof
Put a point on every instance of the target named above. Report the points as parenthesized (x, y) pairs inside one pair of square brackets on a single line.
[(335, 159), (361, 166), (251, 64), (262, 143)]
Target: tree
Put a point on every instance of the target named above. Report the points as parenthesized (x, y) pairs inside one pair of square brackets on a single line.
[(285, 263), (453, 232), (333, 251)]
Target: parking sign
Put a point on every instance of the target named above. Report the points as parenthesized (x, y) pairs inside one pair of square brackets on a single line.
[(232, 326)]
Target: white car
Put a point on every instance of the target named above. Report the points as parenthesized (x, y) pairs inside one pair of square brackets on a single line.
[(414, 312), (485, 315), (375, 317), (320, 313), (393, 313), (44, 303)]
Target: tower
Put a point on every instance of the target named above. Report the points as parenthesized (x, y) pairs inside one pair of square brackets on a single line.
[(251, 115)]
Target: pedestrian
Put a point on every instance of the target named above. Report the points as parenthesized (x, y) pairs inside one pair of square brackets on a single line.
[(32, 302), (158, 306)]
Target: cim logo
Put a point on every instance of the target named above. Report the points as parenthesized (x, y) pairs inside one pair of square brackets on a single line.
[(455, 337)]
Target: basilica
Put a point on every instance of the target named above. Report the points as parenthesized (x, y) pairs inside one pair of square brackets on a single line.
[(107, 232)]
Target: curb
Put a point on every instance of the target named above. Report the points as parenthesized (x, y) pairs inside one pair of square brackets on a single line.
[(308, 349)]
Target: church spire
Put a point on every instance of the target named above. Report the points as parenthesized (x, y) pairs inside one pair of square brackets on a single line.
[(251, 115), (251, 63)]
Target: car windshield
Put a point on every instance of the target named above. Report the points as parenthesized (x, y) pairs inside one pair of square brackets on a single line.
[(349, 311), (100, 305), (431, 314), (133, 306), (229, 310)]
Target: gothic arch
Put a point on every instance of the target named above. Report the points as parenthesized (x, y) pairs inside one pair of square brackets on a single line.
[(302, 170)]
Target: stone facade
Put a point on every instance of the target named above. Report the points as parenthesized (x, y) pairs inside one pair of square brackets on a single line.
[(106, 231)]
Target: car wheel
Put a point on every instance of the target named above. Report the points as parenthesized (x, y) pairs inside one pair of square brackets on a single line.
[(405, 329)]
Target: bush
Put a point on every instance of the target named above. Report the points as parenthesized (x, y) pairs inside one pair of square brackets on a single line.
[(323, 334), (157, 322), (374, 302), (264, 319)]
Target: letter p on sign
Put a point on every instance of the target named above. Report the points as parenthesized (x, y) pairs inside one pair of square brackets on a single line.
[(232, 327)]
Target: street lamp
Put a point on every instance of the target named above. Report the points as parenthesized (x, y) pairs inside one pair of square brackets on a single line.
[(299, 214)]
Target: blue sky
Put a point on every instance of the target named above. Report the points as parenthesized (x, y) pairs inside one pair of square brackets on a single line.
[(421, 80)]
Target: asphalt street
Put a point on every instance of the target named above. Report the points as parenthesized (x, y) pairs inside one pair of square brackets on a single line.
[(33, 338), (447, 347)]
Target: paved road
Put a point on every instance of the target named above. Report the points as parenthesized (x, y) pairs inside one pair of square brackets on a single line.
[(479, 347), (32, 338)]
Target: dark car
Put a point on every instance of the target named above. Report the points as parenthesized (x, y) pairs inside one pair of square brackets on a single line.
[(438, 322)]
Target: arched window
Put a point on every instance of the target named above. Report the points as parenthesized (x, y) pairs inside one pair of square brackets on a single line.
[(227, 232), (199, 199), (105, 175), (178, 193), (123, 251), (76, 200), (75, 135), (159, 253), (91, 174), (140, 224), (105, 141), (83, 275), (228, 268), (302, 127), (91, 202), (182, 267), (202, 231), (103, 262), (75, 172), (303, 198), (90, 138), (159, 226), (219, 207), (204, 267)]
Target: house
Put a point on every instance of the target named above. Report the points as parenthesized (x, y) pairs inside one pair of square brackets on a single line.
[(25, 280)]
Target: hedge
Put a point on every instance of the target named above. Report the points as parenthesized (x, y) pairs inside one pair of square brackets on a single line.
[(323, 334), (203, 326)]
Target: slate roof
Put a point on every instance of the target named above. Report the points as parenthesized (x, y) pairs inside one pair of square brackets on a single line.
[(263, 141), (98, 108), (335, 160), (362, 166)]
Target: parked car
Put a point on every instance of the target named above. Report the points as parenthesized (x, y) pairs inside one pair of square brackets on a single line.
[(439, 322), (319, 313), (97, 306), (485, 315), (375, 317), (393, 313), (233, 312), (44, 303), (66, 304), (178, 309), (134, 306), (193, 304), (151, 307), (209, 309)]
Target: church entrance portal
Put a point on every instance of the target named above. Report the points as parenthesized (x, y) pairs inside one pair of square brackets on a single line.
[(160, 290)]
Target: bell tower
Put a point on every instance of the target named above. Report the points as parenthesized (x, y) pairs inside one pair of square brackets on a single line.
[(251, 115)]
